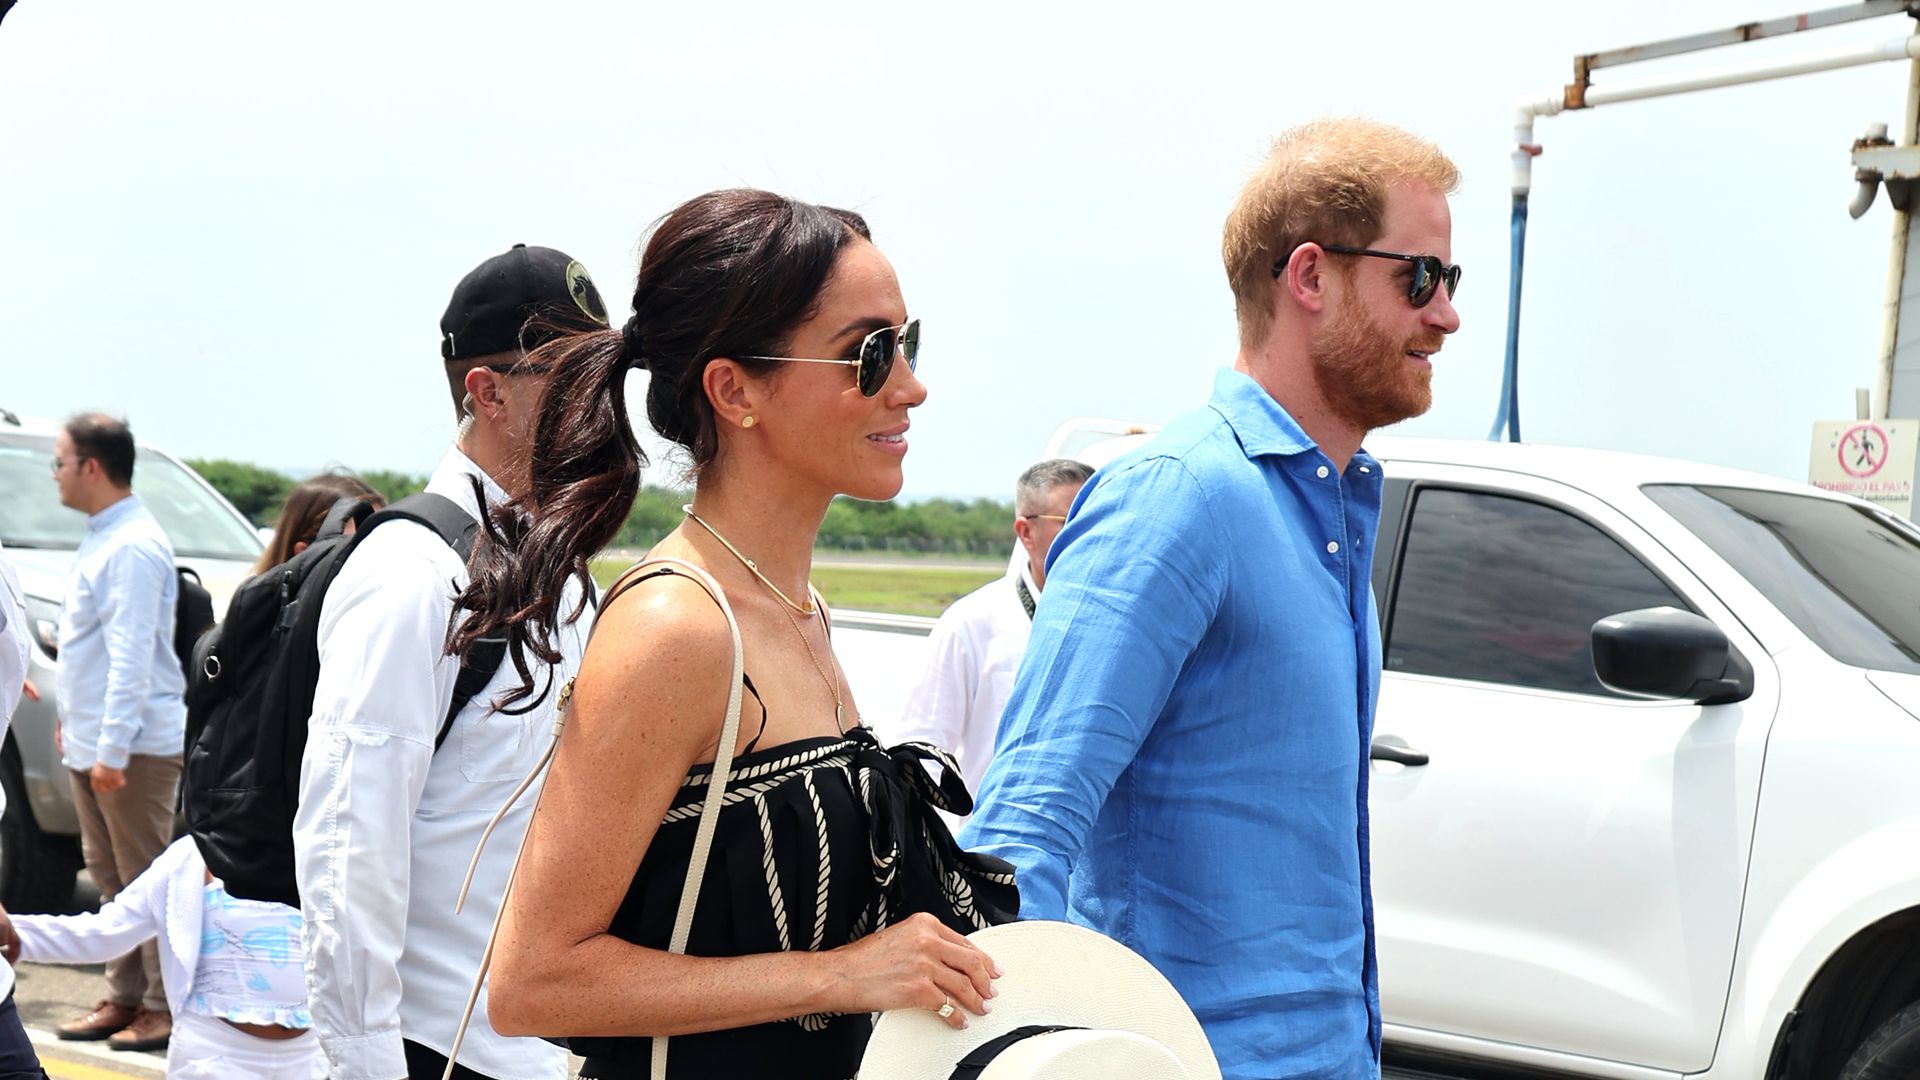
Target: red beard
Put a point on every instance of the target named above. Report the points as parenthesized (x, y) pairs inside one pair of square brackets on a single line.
[(1365, 377)]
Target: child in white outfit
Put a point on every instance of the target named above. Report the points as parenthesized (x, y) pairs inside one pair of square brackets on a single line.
[(232, 968)]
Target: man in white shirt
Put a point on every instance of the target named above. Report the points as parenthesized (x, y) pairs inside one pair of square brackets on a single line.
[(122, 715), (386, 825), (17, 1059), (977, 643)]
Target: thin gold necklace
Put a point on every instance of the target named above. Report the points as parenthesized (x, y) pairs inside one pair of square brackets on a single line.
[(833, 684), (809, 612)]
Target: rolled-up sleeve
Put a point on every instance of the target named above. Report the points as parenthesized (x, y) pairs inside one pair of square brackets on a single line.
[(136, 585), (384, 688), (1132, 585)]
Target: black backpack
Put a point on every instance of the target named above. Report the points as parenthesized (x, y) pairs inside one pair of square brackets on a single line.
[(192, 615), (252, 694)]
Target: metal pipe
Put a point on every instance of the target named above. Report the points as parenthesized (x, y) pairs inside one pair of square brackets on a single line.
[(1745, 32), (1896, 263), (1905, 48)]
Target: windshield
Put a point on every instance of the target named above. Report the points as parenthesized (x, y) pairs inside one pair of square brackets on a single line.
[(1848, 576), (196, 521)]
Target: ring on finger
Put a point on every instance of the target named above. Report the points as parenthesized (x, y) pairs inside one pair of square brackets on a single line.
[(946, 1007)]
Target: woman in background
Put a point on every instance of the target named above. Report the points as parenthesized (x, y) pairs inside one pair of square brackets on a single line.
[(304, 511)]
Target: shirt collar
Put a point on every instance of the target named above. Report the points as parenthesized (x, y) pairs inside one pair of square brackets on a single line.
[(115, 514), (1262, 425), (450, 479)]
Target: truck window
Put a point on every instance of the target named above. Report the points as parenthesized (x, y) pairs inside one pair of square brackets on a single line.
[(1847, 575), (1506, 590)]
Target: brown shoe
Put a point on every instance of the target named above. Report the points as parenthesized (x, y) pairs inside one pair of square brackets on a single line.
[(105, 1019), (149, 1031)]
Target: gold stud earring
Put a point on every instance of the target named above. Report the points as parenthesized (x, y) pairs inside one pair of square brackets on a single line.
[(748, 422)]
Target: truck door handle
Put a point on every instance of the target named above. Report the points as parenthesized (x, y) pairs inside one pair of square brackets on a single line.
[(1388, 748)]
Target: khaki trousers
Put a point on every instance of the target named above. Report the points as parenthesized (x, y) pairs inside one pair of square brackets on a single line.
[(120, 833)]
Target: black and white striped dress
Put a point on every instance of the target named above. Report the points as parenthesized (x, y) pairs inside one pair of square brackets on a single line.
[(820, 842)]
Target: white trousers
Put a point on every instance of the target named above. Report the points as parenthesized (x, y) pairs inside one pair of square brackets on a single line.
[(203, 1048)]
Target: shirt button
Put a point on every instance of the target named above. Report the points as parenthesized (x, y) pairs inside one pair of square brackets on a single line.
[(1333, 547), (1364, 469), (1321, 472)]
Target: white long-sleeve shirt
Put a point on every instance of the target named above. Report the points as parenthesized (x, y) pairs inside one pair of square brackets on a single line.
[(973, 654), (385, 825), (13, 680), (166, 902), (120, 682), (14, 644)]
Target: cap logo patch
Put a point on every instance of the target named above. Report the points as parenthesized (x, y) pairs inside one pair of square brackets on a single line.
[(585, 296)]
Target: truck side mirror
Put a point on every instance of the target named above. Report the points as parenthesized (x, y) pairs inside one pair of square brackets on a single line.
[(1665, 652)]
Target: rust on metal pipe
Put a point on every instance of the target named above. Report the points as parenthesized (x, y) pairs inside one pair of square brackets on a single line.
[(1576, 97)]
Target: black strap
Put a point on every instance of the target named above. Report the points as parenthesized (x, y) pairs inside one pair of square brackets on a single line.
[(346, 508), (459, 530), (975, 1063), (1026, 595)]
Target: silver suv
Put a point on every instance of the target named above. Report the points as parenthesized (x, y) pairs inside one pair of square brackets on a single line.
[(39, 833)]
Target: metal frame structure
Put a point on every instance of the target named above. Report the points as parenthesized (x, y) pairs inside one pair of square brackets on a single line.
[(1581, 93)]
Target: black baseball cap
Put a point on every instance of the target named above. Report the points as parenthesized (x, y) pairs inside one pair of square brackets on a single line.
[(492, 305)]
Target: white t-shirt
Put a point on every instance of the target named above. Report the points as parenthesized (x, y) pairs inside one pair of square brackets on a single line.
[(973, 654)]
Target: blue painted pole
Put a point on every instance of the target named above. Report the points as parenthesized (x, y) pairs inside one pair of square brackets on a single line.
[(1508, 416)]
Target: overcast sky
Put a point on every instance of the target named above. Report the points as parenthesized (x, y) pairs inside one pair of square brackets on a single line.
[(238, 223)]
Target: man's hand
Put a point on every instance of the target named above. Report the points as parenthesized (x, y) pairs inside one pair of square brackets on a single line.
[(33, 693), (106, 778)]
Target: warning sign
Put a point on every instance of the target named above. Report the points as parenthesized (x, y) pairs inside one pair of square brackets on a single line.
[(1868, 459)]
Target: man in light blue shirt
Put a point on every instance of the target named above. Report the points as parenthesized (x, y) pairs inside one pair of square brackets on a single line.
[(1183, 763), (122, 717)]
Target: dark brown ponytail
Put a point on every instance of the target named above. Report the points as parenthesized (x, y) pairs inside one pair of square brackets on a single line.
[(730, 273)]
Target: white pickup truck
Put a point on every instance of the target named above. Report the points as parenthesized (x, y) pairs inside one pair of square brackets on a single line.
[(1684, 842)]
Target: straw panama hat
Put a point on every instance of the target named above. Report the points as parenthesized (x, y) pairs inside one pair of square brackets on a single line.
[(1137, 1027)]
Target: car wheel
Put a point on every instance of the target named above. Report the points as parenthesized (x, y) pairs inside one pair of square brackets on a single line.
[(37, 870), (1892, 1052)]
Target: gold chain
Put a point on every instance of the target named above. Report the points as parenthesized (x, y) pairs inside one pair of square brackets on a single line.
[(833, 684), (809, 612)]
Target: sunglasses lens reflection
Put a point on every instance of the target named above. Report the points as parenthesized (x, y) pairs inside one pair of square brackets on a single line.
[(1424, 280), (876, 361), (910, 344)]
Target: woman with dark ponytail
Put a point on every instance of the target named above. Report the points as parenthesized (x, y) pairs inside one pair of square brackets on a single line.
[(781, 358)]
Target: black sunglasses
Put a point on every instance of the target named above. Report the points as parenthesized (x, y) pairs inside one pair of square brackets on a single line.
[(874, 362), (1428, 271)]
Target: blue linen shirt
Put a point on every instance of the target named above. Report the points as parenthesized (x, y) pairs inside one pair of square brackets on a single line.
[(120, 682), (1183, 763)]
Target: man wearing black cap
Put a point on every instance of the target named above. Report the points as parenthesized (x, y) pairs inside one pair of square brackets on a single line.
[(386, 824)]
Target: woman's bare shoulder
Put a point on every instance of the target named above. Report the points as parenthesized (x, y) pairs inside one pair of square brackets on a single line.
[(660, 651)]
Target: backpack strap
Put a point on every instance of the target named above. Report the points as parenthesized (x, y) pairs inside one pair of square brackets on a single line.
[(346, 508), (459, 530), (703, 835)]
